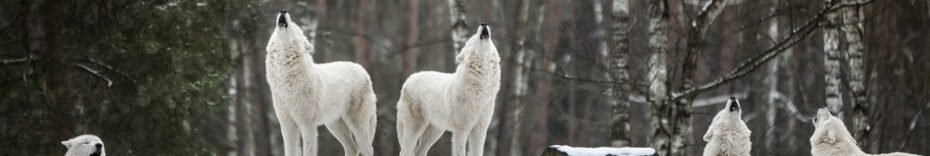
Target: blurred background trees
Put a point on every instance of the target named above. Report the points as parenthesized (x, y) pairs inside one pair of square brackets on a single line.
[(187, 77)]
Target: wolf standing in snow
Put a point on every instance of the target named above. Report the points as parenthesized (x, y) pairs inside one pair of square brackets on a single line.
[(831, 138), (728, 134), (307, 95), (462, 102), (85, 145)]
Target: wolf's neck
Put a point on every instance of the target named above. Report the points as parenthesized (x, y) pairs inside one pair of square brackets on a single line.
[(290, 64)]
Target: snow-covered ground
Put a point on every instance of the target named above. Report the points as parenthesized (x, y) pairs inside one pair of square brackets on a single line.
[(603, 151)]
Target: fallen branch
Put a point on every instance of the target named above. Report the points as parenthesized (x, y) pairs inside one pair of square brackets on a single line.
[(95, 73)]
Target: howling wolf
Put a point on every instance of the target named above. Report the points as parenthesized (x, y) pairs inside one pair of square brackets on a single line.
[(306, 95), (461, 102), (728, 134)]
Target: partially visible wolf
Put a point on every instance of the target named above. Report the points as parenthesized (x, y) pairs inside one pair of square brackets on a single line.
[(728, 134), (84, 145), (832, 139)]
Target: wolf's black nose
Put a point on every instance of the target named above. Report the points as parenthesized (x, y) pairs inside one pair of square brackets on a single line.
[(98, 145), (485, 33), (732, 98), (282, 20)]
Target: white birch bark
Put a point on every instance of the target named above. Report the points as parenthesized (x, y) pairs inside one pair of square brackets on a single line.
[(831, 63), (459, 29), (852, 28), (658, 77), (619, 58), (775, 96)]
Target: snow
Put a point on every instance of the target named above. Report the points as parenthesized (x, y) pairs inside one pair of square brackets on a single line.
[(603, 151)]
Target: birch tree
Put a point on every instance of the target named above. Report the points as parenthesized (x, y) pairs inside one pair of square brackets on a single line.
[(541, 135), (658, 77), (831, 62), (619, 58), (680, 111), (459, 28), (528, 19), (852, 29)]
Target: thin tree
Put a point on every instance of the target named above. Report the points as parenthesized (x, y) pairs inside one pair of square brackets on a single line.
[(852, 29), (459, 28), (657, 77), (410, 55), (619, 58)]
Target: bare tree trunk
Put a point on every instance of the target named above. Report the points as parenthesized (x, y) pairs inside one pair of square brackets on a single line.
[(658, 77), (832, 57), (459, 28), (775, 96), (361, 44), (852, 28), (317, 12), (541, 135), (244, 138), (528, 19), (619, 58), (410, 54), (681, 110)]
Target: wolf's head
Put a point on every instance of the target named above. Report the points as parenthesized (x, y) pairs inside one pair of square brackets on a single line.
[(823, 115), (84, 145), (733, 110), (287, 36), (480, 42)]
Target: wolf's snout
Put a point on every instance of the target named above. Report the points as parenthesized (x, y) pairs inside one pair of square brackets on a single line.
[(282, 20), (734, 104), (485, 33)]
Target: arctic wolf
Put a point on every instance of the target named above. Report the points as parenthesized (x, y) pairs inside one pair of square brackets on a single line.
[(728, 134), (306, 95), (84, 145), (831, 138), (462, 102)]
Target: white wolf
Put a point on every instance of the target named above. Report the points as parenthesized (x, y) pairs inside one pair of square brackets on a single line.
[(728, 134), (462, 102), (85, 145), (831, 138), (307, 95)]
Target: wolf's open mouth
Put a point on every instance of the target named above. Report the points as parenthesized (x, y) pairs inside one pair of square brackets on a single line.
[(282, 21), (96, 153)]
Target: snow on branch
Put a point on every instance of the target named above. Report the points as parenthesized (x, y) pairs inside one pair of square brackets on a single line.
[(795, 37), (563, 150)]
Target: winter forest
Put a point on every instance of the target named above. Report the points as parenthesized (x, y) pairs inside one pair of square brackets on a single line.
[(188, 77)]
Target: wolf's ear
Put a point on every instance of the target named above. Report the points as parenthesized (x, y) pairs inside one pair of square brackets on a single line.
[(67, 144), (708, 135)]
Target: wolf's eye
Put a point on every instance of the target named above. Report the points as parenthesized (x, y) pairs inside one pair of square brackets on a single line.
[(86, 142)]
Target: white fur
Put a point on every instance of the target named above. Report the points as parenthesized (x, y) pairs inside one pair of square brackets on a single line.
[(84, 145), (307, 95), (728, 134), (461, 102), (831, 138)]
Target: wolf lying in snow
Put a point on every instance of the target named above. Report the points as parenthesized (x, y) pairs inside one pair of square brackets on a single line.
[(307, 95), (462, 102), (85, 145), (728, 134), (831, 138)]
